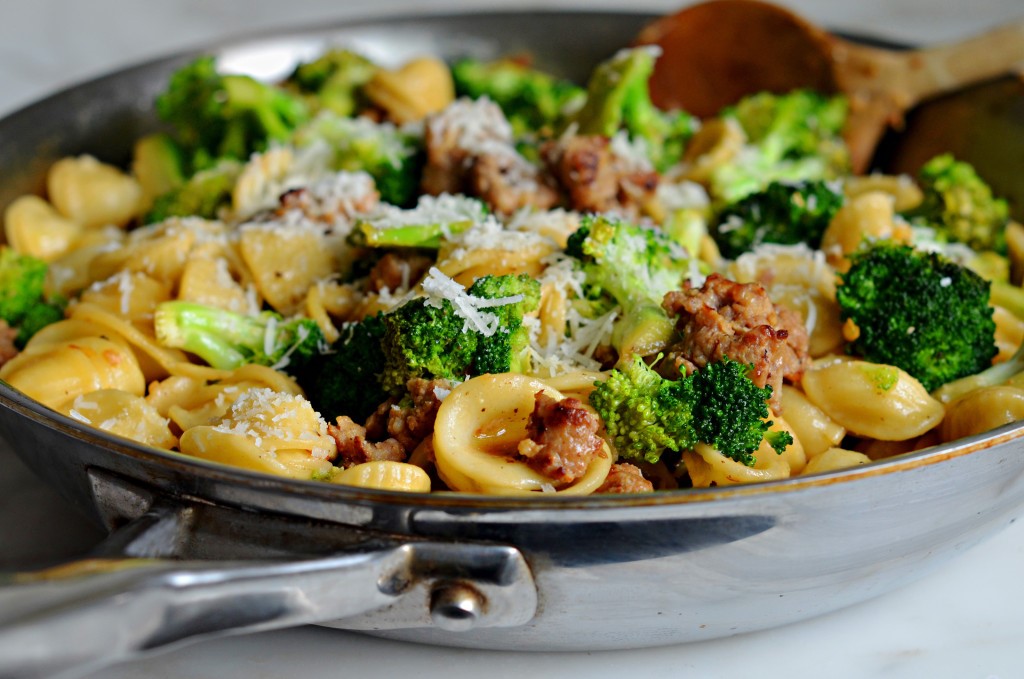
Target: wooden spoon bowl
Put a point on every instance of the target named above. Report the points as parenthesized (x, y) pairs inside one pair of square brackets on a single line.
[(716, 52)]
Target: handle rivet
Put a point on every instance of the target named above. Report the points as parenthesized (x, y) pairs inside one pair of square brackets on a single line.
[(456, 607)]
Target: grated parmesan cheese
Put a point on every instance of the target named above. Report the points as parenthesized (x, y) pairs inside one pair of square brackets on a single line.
[(440, 287)]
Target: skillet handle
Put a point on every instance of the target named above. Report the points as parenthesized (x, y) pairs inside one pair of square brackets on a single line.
[(82, 616)]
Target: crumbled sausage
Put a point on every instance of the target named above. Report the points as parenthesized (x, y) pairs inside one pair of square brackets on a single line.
[(411, 419), (625, 478), (508, 183), (470, 149), (562, 438), (724, 318), (594, 179), (396, 271), (354, 448)]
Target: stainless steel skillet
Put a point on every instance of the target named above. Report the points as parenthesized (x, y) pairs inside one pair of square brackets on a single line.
[(539, 574)]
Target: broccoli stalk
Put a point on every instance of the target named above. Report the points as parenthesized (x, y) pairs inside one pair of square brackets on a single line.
[(646, 414), (789, 137), (227, 339), (784, 212), (632, 267), (918, 311), (959, 206), (220, 116), (618, 99), (24, 303), (533, 101), (424, 226)]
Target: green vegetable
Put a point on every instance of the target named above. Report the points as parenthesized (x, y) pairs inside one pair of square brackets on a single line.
[(227, 339), (790, 137), (205, 194), (532, 100), (918, 311), (217, 116), (633, 267), (343, 379), (24, 302), (392, 156), (618, 99), (158, 165), (432, 339), (646, 414), (333, 81), (506, 350), (784, 212), (424, 226), (959, 205)]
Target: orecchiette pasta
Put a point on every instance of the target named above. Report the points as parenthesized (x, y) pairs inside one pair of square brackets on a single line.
[(478, 427), (833, 459), (873, 400), (384, 475), (57, 373), (268, 431), (34, 227), (92, 193), (123, 413)]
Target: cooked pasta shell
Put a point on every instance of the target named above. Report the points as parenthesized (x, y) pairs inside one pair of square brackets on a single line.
[(870, 399), (384, 475), (57, 374), (981, 410), (93, 193), (124, 414), (480, 423), (708, 467), (833, 459), (414, 91), (34, 227), (816, 431)]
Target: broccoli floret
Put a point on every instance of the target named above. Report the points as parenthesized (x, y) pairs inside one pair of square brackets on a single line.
[(785, 213), (434, 338), (393, 156), (918, 311), (205, 194), (506, 350), (333, 81), (618, 99), (789, 137), (24, 303), (533, 101), (646, 414), (425, 226), (220, 116), (227, 339), (959, 205), (633, 267), (343, 380)]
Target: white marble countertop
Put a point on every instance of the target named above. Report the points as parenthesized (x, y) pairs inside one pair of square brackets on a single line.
[(966, 620)]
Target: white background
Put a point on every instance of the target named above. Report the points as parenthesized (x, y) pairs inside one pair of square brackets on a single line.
[(966, 620)]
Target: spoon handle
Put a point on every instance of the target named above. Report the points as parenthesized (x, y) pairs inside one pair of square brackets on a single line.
[(943, 68)]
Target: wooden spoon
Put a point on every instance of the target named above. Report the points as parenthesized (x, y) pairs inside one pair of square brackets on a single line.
[(716, 52)]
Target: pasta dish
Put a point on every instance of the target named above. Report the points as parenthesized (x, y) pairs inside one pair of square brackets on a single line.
[(478, 277)]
